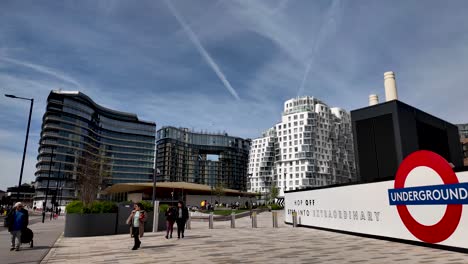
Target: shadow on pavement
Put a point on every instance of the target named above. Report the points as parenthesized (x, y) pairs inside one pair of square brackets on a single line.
[(34, 248), (195, 237), (161, 246)]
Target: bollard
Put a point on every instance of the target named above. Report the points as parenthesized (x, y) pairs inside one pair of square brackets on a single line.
[(294, 218), (188, 225), (210, 225), (254, 219), (275, 219), (233, 220)]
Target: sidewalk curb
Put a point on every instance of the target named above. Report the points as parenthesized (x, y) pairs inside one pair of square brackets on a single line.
[(47, 255)]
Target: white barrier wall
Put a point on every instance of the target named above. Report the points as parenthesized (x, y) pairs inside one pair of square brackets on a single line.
[(366, 209)]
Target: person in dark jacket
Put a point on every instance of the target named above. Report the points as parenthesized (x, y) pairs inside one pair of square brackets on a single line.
[(170, 219), (17, 220), (182, 215), (137, 220)]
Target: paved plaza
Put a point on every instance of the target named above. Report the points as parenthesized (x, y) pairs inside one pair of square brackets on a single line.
[(245, 245)]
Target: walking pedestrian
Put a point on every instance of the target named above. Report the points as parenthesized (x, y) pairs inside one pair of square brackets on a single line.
[(137, 220), (181, 217), (17, 220), (170, 219)]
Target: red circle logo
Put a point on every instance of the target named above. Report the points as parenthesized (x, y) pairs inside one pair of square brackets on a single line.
[(449, 222)]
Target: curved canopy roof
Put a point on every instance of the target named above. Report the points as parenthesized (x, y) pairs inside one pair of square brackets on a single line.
[(133, 187)]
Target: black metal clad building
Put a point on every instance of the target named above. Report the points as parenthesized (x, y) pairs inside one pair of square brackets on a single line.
[(384, 134), (75, 128), (210, 159)]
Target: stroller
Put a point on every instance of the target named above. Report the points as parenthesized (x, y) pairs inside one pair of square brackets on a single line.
[(27, 237)]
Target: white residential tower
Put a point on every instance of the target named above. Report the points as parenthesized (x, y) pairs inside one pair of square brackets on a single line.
[(312, 146)]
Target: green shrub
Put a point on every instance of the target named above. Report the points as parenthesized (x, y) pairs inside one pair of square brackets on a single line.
[(75, 207), (97, 207), (276, 207), (163, 208), (108, 207), (147, 206)]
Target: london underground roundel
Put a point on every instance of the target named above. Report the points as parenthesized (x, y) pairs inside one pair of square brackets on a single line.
[(451, 193)]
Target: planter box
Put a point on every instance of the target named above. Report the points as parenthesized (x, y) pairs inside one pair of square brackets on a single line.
[(80, 225), (149, 222)]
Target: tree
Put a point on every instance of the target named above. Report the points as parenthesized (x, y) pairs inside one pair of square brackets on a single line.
[(219, 191), (91, 171), (274, 192)]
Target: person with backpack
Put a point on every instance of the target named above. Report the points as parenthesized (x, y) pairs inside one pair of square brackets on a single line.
[(17, 220)]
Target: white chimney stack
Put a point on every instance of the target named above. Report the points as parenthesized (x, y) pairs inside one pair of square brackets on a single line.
[(390, 86), (373, 99)]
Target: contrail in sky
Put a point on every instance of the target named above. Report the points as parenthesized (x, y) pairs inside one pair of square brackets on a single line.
[(44, 70), (202, 50), (329, 18)]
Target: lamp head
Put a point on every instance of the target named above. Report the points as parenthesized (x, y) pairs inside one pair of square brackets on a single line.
[(10, 95)]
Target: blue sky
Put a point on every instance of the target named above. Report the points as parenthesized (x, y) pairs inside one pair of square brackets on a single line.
[(225, 65)]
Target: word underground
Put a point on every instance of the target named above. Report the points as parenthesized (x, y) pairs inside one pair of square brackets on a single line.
[(339, 214), (433, 194)]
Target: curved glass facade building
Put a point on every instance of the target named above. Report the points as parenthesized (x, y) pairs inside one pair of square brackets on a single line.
[(203, 158), (76, 129)]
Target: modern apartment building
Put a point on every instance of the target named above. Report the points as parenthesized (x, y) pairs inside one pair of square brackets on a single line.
[(312, 146), (463, 131), (77, 134), (203, 158), (262, 170)]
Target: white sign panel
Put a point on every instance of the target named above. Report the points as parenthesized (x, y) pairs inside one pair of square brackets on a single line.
[(426, 203)]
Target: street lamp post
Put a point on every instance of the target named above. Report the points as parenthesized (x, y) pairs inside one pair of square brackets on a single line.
[(26, 141), (47, 189), (155, 205), (55, 197)]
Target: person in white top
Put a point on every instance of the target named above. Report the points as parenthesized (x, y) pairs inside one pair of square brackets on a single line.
[(137, 220)]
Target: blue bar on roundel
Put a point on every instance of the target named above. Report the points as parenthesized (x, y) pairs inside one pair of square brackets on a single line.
[(429, 195)]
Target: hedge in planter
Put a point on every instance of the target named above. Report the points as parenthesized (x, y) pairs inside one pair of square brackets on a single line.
[(97, 219)]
